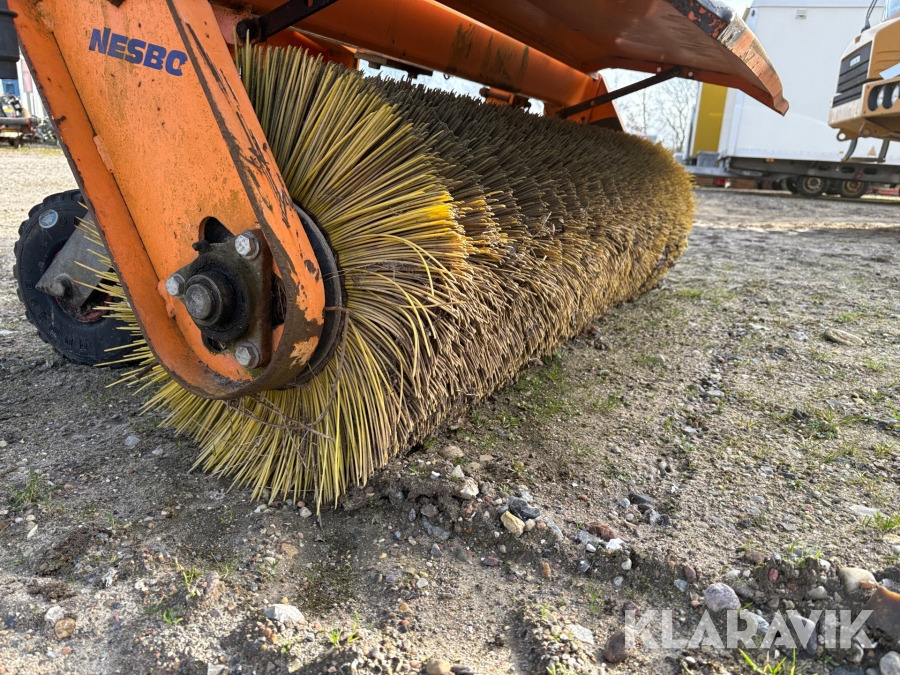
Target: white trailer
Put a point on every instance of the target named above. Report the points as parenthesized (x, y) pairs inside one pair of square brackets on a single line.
[(805, 40)]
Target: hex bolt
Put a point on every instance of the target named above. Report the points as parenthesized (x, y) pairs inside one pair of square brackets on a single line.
[(247, 355), (175, 285), (247, 245)]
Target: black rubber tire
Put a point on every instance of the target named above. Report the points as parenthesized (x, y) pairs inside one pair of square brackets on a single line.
[(83, 342), (791, 185), (811, 186), (852, 189)]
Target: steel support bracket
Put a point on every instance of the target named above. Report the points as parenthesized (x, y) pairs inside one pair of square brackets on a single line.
[(660, 77), (261, 28)]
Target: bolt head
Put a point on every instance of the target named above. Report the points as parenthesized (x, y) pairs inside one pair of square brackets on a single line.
[(199, 301), (60, 287), (247, 245), (175, 285), (247, 355)]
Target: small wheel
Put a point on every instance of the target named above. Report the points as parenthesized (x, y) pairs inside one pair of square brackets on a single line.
[(81, 334), (811, 186), (791, 185), (852, 189)]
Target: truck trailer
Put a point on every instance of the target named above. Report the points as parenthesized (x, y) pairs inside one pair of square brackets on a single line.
[(733, 137)]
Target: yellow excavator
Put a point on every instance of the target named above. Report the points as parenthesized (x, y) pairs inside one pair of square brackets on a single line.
[(315, 268), (867, 102)]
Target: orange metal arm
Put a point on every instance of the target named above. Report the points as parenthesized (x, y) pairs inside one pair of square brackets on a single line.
[(161, 137), (430, 35)]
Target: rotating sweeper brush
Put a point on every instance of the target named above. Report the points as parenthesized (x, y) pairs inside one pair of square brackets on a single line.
[(319, 269)]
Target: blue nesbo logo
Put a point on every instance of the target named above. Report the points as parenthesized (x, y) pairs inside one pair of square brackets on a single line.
[(137, 51)]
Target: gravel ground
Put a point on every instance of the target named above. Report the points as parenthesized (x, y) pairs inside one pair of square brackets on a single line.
[(713, 432)]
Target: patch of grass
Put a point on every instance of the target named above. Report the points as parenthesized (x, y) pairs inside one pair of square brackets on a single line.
[(884, 450), (559, 669), (689, 293), (606, 405), (848, 317), (885, 524), (595, 600), (873, 365), (172, 616), (652, 361), (817, 354), (768, 668), (37, 491), (844, 450)]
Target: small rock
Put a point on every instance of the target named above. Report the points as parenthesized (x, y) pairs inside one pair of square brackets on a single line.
[(435, 531), (690, 574), (451, 452), (436, 551), (721, 597), (853, 578), (490, 561), (817, 593), (217, 669), (755, 557), (132, 441), (626, 564), (305, 512), (512, 523), (639, 499), (289, 551), (210, 587), (682, 585), (462, 669), (754, 619), (54, 614), (602, 530), (615, 545), (620, 645), (64, 628), (580, 633), (457, 472), (469, 489), (588, 539), (422, 583), (842, 337), (429, 510), (624, 502), (438, 667), (864, 511), (286, 614), (890, 664), (808, 628), (520, 508)]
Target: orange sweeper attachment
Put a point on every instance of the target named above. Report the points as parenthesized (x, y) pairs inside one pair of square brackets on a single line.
[(319, 268)]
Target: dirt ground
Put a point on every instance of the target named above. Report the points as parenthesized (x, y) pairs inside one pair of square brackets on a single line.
[(710, 429)]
